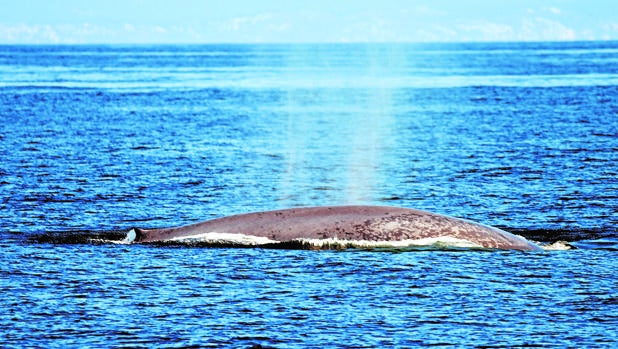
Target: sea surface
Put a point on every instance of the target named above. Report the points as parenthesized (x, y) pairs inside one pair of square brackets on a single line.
[(95, 140)]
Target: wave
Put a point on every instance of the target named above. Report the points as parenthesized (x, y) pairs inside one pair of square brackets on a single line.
[(570, 234), (76, 237), (597, 244)]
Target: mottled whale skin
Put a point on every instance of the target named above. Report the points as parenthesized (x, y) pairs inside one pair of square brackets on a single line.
[(344, 223)]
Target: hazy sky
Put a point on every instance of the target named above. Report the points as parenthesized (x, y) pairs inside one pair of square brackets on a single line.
[(225, 21)]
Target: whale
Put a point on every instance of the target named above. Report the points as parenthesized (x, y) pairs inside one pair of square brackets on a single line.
[(338, 227)]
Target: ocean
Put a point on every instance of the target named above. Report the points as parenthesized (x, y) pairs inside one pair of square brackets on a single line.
[(98, 139)]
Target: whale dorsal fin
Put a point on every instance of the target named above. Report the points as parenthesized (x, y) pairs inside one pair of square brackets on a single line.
[(131, 236)]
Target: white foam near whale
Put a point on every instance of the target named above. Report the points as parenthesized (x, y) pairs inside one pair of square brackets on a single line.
[(225, 238), (334, 242)]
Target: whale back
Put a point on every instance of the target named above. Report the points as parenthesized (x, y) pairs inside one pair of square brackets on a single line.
[(347, 223)]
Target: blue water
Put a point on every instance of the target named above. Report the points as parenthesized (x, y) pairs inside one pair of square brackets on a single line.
[(97, 139)]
